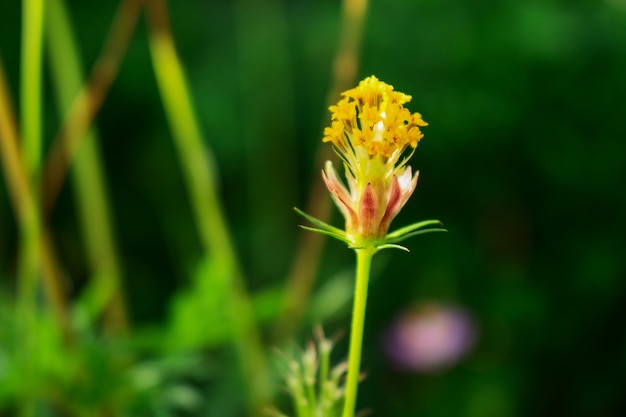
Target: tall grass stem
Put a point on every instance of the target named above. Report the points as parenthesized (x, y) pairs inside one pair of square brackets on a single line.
[(30, 227), (87, 176), (196, 161), (31, 83), (24, 203)]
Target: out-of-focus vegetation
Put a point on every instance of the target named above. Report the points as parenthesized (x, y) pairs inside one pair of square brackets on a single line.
[(162, 314)]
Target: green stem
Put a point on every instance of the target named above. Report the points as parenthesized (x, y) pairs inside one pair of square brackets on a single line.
[(363, 263)]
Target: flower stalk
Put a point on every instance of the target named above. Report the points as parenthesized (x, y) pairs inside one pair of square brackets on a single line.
[(363, 264)]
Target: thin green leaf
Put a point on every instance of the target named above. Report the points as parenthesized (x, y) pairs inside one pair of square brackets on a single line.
[(327, 233), (415, 233), (392, 246), (411, 228), (322, 225)]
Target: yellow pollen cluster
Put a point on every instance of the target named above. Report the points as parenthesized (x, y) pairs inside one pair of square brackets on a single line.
[(372, 116)]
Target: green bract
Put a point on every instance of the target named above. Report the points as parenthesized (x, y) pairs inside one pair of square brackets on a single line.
[(390, 241)]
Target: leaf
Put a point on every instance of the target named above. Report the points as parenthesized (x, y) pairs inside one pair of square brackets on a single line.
[(343, 238), (393, 246), (400, 233), (322, 227), (415, 233)]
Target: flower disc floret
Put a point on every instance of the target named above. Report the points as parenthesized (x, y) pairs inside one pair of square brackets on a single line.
[(372, 117)]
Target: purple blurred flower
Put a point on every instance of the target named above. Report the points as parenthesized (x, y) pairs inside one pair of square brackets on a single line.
[(430, 337)]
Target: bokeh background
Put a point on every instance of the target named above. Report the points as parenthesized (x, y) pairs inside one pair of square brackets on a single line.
[(524, 160)]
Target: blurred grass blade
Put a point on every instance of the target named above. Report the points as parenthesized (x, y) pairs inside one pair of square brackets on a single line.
[(88, 179), (31, 83), (23, 200), (197, 164), (29, 261), (88, 100)]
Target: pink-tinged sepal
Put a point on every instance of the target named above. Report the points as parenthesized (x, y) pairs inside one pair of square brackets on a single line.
[(394, 204), (369, 213), (340, 195), (407, 185), (400, 189), (407, 180)]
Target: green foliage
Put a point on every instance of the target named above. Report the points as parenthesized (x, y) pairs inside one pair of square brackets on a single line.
[(199, 315), (94, 373)]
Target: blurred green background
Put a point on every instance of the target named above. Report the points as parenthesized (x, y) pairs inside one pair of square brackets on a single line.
[(524, 160)]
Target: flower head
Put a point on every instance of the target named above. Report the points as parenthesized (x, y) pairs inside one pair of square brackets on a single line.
[(371, 121), (375, 135), (371, 130)]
